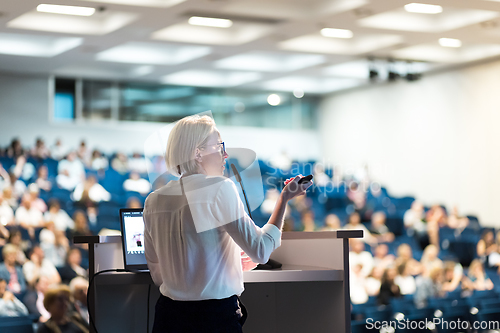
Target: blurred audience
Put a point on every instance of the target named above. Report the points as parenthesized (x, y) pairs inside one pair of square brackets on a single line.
[(379, 229), (137, 184), (57, 303), (61, 219), (39, 266), (11, 271), (71, 172), (72, 267), (10, 306), (388, 288), (34, 299)]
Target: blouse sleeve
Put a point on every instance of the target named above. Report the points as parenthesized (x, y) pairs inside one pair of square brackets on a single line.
[(258, 243)]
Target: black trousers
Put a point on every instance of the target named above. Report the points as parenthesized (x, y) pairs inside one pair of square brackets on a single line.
[(208, 316)]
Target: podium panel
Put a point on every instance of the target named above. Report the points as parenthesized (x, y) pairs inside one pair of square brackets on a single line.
[(310, 293)]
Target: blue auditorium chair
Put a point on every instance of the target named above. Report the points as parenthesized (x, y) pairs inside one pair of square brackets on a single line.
[(22, 324)]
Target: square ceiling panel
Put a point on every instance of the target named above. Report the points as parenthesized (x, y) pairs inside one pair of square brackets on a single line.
[(357, 45), (311, 85), (283, 9), (152, 53), (98, 24), (36, 46), (238, 33), (270, 62), (143, 3), (208, 78), (437, 53), (449, 19)]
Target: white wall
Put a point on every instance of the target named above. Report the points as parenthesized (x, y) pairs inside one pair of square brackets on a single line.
[(24, 113), (437, 139)]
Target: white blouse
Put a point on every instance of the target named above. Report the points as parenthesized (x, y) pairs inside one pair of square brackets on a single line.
[(193, 235)]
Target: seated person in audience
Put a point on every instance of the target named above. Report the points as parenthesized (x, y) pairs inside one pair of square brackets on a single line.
[(120, 163), (436, 218), (430, 258), (57, 302), (405, 255), (81, 228), (16, 239), (42, 180), (379, 229), (54, 244), (60, 218), (15, 149), (139, 164), (414, 219), (355, 224), (39, 266), (307, 220), (358, 255), (357, 195), (10, 306), (83, 153), (23, 170), (73, 267), (29, 217), (136, 184), (36, 201), (98, 162), (453, 274), (79, 287), (9, 197), (18, 187), (133, 202), (71, 172), (90, 192), (404, 280), (11, 272), (477, 278), (4, 177), (34, 299), (456, 221), (332, 222), (320, 177), (40, 150), (374, 281), (486, 246), (428, 285), (357, 285), (58, 150), (6, 218), (388, 288), (382, 257)]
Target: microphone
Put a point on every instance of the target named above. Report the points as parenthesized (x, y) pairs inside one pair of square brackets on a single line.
[(238, 179)]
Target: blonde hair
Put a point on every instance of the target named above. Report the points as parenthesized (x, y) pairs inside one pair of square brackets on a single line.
[(51, 295), (8, 248), (188, 134)]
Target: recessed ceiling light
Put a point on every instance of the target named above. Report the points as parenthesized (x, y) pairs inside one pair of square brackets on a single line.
[(298, 93), (67, 10), (273, 99), (450, 42), (210, 22), (422, 8), (336, 33)]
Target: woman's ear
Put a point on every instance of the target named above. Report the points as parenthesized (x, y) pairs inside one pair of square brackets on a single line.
[(197, 155)]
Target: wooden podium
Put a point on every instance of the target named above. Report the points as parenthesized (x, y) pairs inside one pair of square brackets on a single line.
[(310, 293)]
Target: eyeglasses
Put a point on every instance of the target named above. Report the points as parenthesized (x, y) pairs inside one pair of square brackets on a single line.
[(222, 149)]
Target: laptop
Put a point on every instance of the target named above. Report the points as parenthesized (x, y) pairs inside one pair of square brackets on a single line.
[(132, 226)]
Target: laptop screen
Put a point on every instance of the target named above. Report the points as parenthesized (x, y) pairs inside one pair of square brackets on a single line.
[(132, 225)]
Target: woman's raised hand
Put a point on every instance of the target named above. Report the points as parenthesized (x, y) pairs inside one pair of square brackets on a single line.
[(293, 189)]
